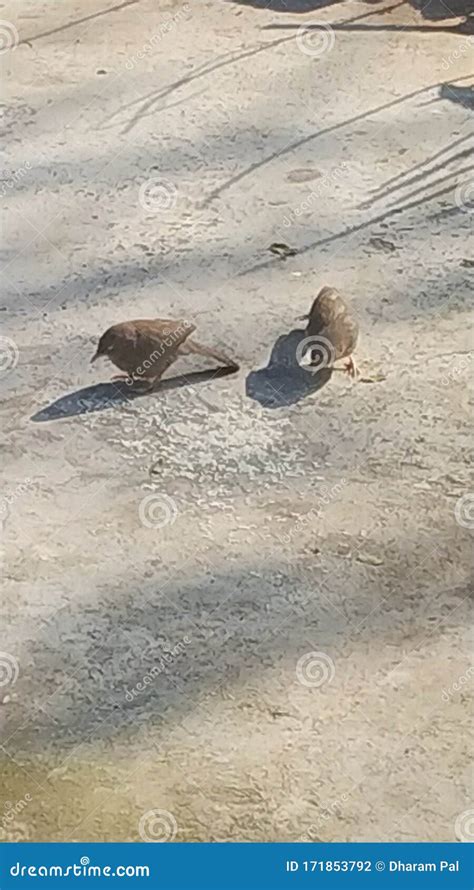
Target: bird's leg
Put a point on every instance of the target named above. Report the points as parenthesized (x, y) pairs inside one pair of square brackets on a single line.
[(351, 368), (145, 384)]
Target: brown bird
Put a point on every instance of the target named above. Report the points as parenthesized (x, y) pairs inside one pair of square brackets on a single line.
[(331, 323), (146, 347)]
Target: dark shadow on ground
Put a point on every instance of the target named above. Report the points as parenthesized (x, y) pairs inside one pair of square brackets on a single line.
[(288, 6), (434, 10), (437, 10), (284, 382), (366, 224), (146, 105), (459, 95), (102, 396), (452, 175), (462, 28), (299, 7), (416, 173), (324, 131), (134, 627)]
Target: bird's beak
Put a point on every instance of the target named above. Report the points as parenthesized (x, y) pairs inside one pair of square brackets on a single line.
[(302, 317), (94, 357)]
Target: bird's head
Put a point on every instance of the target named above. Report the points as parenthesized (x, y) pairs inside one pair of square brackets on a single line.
[(325, 294), (106, 345)]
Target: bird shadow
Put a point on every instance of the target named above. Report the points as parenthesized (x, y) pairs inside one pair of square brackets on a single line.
[(284, 381), (461, 95), (102, 396)]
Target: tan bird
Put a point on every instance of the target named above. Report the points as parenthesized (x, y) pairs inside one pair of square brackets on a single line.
[(146, 347), (334, 329)]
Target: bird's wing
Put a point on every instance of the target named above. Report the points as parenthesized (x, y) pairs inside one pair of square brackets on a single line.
[(342, 334), (126, 330), (160, 331), (158, 339), (327, 306), (175, 329)]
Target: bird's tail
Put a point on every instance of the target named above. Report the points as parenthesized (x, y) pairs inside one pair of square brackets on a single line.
[(191, 346)]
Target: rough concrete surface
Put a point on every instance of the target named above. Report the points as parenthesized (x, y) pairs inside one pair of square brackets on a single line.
[(288, 554)]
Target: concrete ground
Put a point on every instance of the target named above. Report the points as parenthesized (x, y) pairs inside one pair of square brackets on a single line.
[(236, 609)]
